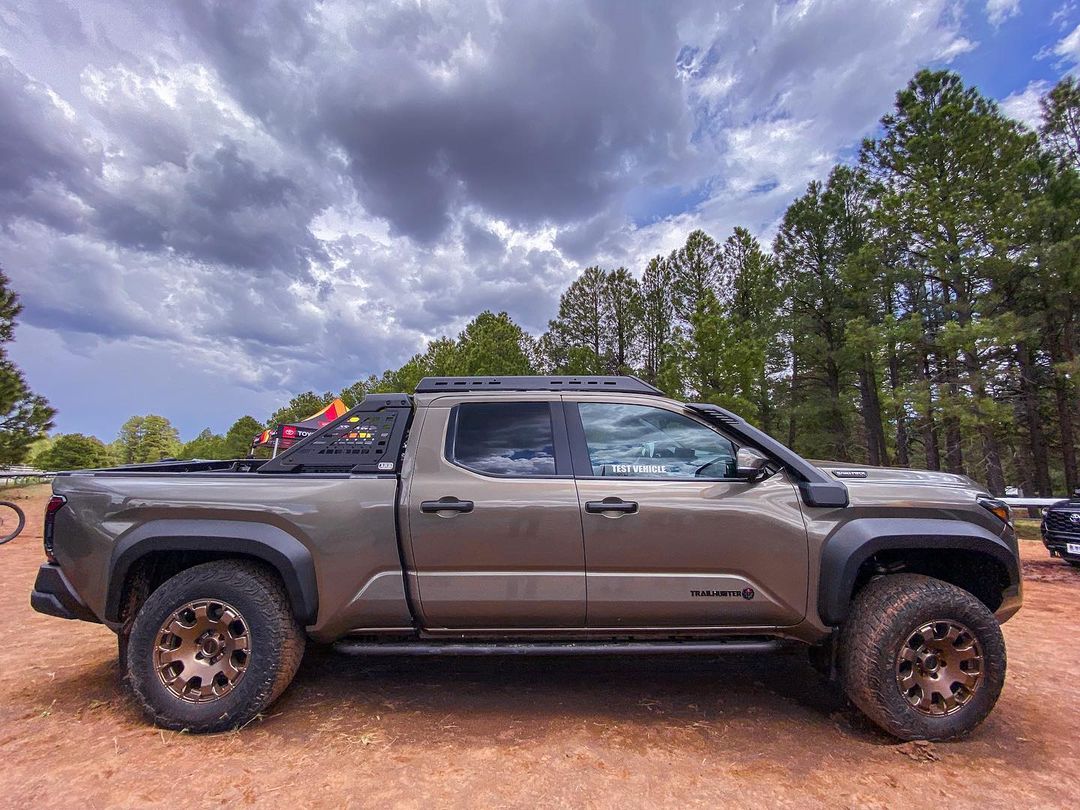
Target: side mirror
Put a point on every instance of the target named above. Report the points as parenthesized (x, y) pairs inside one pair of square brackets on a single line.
[(749, 463)]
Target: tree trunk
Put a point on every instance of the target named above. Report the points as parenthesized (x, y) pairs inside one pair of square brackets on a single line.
[(1065, 404), (929, 428), (954, 450), (791, 403), (1029, 395), (902, 457), (871, 412), (839, 432)]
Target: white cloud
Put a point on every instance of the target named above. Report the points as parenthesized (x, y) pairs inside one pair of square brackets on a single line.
[(293, 200), (1023, 105), (997, 11), (1068, 47)]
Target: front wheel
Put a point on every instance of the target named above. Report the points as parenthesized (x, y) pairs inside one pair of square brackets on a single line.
[(213, 646), (923, 659)]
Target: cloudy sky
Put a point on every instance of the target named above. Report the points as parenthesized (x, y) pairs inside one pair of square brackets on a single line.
[(207, 207)]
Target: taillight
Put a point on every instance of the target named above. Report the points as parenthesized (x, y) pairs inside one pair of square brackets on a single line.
[(54, 505)]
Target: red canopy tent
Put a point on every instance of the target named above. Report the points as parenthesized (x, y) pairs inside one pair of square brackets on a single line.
[(286, 434)]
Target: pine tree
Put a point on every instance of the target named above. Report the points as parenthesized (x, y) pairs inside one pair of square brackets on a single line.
[(24, 416)]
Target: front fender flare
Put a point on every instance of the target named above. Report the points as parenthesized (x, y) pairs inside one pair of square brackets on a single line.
[(287, 555), (858, 540)]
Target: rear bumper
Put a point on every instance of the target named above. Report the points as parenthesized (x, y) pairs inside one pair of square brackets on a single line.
[(54, 596)]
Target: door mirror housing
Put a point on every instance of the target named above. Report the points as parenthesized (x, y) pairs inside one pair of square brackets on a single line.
[(749, 463)]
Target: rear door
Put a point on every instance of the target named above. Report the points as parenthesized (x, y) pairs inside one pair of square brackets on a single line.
[(671, 537), (493, 520)]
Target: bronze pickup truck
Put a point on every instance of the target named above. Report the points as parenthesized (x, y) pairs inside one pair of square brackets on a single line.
[(536, 515)]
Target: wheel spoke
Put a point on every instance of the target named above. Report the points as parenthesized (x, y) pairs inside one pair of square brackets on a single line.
[(909, 655)]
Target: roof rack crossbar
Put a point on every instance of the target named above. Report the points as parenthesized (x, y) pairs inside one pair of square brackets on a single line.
[(621, 384)]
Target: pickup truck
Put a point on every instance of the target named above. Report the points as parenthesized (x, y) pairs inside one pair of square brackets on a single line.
[(536, 515)]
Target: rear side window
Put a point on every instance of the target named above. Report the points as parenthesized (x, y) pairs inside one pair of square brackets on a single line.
[(504, 438)]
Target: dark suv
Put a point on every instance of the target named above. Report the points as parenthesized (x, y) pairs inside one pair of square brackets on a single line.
[(1061, 530)]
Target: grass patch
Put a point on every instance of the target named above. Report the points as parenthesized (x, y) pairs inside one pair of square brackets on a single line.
[(1028, 528)]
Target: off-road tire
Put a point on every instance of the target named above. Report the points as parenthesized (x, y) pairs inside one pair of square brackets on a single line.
[(276, 642), (1074, 563), (883, 617)]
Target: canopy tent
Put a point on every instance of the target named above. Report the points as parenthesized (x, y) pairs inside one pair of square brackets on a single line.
[(286, 434)]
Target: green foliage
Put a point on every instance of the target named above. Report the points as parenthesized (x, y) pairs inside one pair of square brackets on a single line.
[(1060, 129), (24, 415), (493, 344), (237, 441), (597, 330), (207, 445), (74, 451), (146, 439)]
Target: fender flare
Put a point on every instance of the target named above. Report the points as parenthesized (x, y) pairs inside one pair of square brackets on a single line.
[(856, 541), (283, 552)]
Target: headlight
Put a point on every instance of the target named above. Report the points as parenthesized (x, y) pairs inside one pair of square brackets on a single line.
[(999, 508)]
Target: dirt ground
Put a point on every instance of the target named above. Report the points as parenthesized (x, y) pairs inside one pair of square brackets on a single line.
[(558, 732)]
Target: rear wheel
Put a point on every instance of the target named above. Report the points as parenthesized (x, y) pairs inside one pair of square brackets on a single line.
[(921, 658), (213, 646)]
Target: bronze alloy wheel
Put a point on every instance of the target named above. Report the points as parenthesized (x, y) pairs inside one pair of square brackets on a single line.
[(939, 668), (203, 650)]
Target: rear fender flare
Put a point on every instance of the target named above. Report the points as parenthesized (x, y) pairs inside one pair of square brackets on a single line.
[(283, 552), (856, 541)]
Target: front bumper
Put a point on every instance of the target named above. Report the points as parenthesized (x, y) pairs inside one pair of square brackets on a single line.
[(54, 596), (1055, 544)]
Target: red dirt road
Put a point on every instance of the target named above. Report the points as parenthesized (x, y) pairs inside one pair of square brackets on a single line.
[(763, 731)]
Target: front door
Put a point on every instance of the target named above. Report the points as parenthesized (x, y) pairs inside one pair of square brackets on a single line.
[(493, 518), (671, 537)]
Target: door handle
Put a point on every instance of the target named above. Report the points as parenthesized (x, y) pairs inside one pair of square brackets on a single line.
[(611, 505), (446, 504)]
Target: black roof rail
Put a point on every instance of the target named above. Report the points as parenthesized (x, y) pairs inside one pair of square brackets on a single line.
[(618, 384)]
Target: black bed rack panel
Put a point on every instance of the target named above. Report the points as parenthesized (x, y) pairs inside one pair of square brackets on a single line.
[(367, 439), (616, 384)]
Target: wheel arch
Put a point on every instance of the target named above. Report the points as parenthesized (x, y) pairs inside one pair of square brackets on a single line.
[(203, 540), (965, 554)]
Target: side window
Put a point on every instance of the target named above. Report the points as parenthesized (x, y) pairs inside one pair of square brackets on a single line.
[(504, 438), (638, 441)]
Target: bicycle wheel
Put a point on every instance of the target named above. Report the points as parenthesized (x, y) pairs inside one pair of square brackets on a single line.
[(12, 521)]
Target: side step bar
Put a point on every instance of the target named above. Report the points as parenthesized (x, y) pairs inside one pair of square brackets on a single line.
[(557, 648)]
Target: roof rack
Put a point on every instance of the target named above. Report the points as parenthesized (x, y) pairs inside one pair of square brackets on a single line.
[(618, 384), (366, 439)]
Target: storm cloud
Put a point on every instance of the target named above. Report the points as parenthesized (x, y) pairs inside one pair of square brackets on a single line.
[(286, 196)]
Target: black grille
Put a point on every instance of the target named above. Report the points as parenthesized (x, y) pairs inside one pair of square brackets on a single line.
[(1060, 521)]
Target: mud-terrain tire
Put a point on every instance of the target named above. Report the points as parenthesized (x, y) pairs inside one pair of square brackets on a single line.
[(901, 632), (229, 619)]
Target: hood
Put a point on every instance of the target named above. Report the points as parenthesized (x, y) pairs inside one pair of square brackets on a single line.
[(852, 474)]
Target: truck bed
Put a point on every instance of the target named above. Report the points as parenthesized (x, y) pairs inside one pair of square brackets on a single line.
[(340, 523)]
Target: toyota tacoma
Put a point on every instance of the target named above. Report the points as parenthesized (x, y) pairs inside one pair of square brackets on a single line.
[(536, 515)]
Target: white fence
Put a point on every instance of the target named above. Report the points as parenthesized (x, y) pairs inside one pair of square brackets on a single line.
[(1031, 503), (22, 474)]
